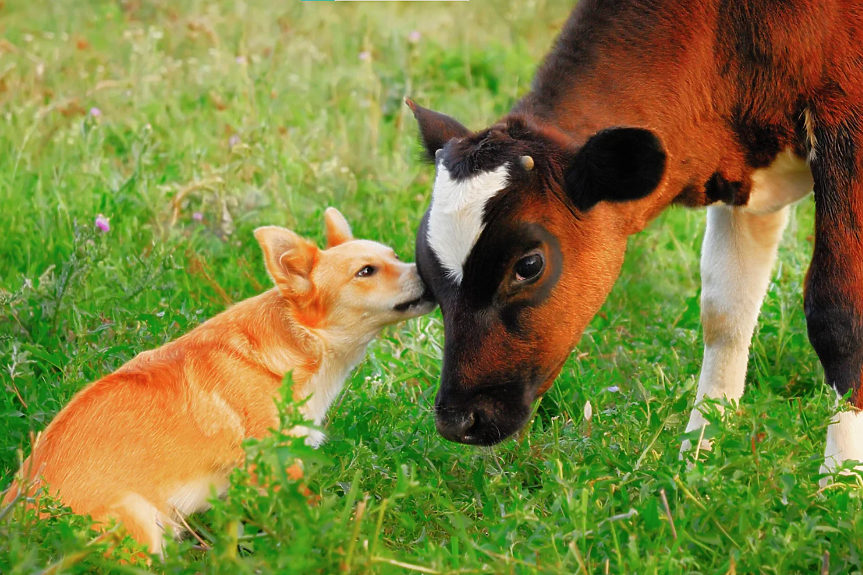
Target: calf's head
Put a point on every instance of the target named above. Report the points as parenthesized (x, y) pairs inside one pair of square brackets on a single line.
[(522, 241)]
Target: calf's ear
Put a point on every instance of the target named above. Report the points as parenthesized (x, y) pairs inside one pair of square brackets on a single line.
[(615, 165), (436, 129)]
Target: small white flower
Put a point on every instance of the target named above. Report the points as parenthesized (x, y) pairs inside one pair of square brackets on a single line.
[(588, 411)]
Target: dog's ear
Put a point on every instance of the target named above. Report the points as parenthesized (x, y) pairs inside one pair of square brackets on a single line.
[(338, 230), (436, 129), (289, 259)]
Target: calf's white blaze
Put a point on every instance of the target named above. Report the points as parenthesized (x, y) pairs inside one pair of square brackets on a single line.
[(455, 218)]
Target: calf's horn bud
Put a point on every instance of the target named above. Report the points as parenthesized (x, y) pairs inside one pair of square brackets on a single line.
[(526, 162)]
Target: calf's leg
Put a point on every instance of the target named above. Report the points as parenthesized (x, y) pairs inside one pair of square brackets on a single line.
[(736, 263), (834, 284)]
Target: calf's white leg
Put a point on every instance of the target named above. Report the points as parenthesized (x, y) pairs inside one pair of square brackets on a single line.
[(843, 441), (736, 264)]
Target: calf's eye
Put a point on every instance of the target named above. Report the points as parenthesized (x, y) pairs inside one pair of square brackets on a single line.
[(529, 267)]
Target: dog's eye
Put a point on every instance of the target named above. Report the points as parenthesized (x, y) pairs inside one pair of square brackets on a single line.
[(367, 271), (528, 267)]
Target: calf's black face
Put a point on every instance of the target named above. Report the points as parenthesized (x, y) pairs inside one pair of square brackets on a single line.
[(493, 321), (520, 246)]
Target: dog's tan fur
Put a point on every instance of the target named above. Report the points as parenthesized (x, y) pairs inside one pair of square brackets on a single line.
[(146, 444)]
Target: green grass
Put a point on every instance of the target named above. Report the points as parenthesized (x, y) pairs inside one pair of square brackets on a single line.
[(316, 125)]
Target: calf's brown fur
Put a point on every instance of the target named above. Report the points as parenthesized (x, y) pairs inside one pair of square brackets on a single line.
[(642, 104)]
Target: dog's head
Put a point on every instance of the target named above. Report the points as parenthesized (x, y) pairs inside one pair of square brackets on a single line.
[(355, 286)]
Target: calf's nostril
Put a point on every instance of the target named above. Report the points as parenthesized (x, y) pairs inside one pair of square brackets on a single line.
[(458, 427), (471, 427), (468, 424)]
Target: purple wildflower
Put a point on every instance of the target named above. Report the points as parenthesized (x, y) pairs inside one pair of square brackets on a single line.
[(102, 223), (612, 389), (414, 37), (233, 141), (241, 60), (365, 56), (198, 217), (95, 112)]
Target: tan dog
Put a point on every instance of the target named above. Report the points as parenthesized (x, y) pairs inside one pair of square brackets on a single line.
[(146, 444)]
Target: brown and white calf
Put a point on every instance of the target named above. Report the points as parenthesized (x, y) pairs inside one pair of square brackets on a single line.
[(739, 105)]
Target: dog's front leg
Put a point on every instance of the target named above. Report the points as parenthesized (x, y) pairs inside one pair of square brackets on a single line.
[(736, 262)]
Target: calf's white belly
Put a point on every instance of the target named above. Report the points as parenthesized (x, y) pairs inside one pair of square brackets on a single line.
[(785, 181)]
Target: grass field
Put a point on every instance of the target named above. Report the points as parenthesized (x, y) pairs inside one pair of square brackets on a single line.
[(190, 123)]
